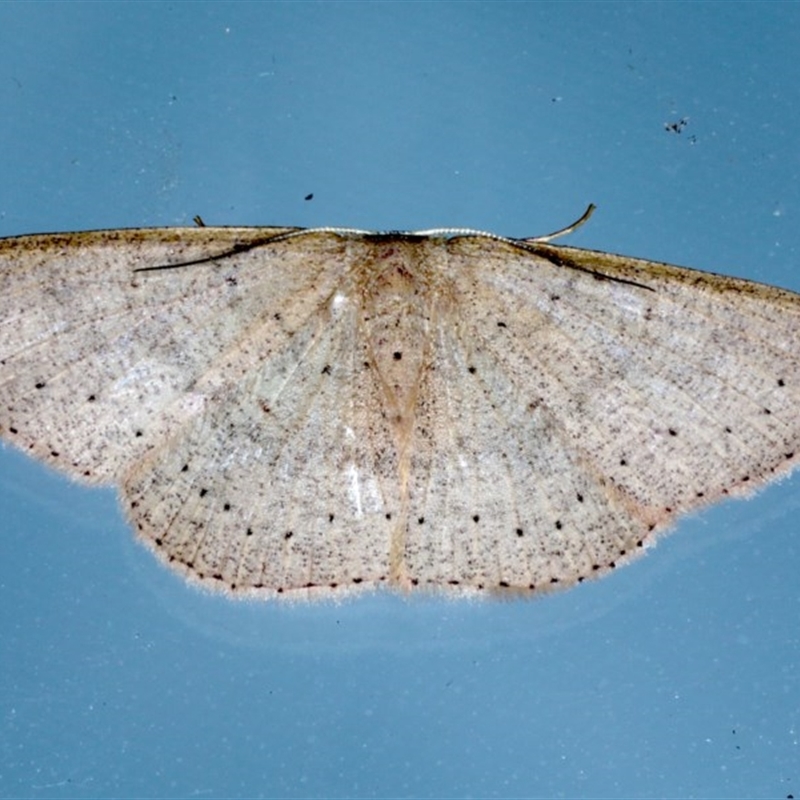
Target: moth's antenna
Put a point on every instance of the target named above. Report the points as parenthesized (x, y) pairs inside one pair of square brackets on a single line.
[(564, 231)]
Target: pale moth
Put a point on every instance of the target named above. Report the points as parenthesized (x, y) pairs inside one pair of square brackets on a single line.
[(306, 413)]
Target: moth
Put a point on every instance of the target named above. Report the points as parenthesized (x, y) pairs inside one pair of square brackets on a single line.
[(308, 413)]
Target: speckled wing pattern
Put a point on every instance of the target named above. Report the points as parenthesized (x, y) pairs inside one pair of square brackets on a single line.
[(306, 413)]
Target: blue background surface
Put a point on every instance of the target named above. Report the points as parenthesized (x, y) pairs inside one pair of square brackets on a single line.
[(679, 675)]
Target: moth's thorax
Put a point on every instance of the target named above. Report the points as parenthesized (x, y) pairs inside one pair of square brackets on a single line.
[(400, 284)]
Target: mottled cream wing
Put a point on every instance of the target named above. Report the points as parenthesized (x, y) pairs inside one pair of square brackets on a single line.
[(581, 400), (303, 413)]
